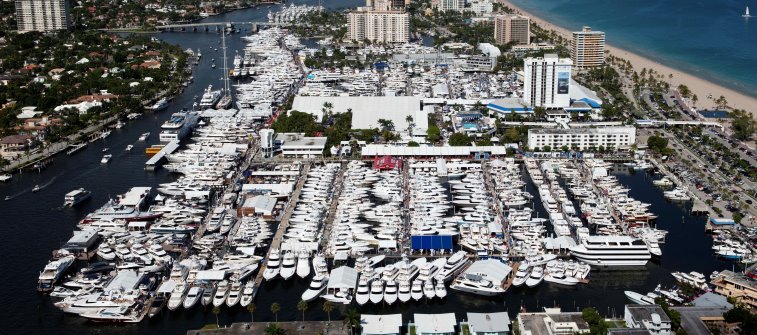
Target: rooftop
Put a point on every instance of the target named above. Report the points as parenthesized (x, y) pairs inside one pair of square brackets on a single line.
[(298, 140), (434, 323), (489, 322), (380, 324), (600, 130), (645, 312)]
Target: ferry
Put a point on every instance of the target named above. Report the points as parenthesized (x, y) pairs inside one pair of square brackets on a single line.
[(610, 251), (179, 126), (210, 97), (75, 197)]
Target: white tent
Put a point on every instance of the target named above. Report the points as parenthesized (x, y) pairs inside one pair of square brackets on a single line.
[(343, 277)]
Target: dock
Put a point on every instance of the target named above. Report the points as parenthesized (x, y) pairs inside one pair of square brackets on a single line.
[(155, 161), (335, 327), (337, 192), (283, 224), (75, 148)]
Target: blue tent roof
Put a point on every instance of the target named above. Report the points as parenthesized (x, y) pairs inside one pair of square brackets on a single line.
[(591, 102), (431, 242)]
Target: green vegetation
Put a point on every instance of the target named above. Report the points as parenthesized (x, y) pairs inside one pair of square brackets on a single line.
[(743, 315), (597, 324), (459, 140), (413, 144), (742, 124), (322, 23), (302, 306), (328, 307), (659, 145), (352, 319), (433, 133), (274, 329), (275, 309), (675, 317), (296, 122)]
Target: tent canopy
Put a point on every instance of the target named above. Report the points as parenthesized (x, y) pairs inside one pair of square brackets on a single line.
[(343, 277), (431, 242)]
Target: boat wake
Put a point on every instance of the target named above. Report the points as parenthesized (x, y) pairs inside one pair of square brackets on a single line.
[(42, 186)]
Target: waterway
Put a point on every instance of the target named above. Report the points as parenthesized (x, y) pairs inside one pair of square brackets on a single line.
[(33, 224)]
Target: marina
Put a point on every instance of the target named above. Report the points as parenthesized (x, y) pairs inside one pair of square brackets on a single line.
[(217, 226)]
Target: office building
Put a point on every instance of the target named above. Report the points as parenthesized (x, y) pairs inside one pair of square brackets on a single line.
[(737, 286), (42, 15), (588, 48), (387, 26), (447, 5), (512, 28), (582, 139), (546, 81)]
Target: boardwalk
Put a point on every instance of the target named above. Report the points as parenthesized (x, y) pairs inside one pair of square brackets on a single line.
[(336, 193)]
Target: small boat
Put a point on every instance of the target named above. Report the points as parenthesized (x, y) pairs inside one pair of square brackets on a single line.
[(36, 188), (746, 13), (128, 147), (156, 306), (5, 177), (144, 136), (106, 149), (106, 159)]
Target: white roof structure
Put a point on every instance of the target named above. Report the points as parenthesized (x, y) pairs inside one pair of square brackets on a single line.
[(211, 275), (391, 150), (484, 323), (261, 204), (282, 188), (366, 111), (434, 323), (343, 277), (134, 196), (578, 92), (166, 287), (560, 242), (493, 270), (124, 281), (380, 324)]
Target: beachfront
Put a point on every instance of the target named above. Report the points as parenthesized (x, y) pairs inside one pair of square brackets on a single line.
[(702, 88)]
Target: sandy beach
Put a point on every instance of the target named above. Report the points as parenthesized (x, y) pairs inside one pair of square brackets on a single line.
[(702, 88)]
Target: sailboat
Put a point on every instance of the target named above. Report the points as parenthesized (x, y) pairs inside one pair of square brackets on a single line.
[(225, 101), (746, 12)]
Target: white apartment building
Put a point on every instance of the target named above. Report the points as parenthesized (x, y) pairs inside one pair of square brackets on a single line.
[(388, 26), (445, 5), (547, 81), (42, 15), (481, 7), (588, 48), (299, 145), (649, 317), (582, 138)]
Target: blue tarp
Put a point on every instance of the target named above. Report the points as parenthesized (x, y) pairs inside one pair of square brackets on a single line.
[(721, 221), (431, 242)]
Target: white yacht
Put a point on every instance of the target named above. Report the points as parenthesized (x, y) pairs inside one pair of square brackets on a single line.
[(75, 197), (694, 279), (221, 292), (193, 296), (235, 293), (247, 292), (288, 266), (210, 98), (53, 272), (377, 291), (317, 285), (476, 284), (390, 292), (441, 290), (416, 290), (177, 296), (559, 277), (404, 290), (160, 105), (639, 298), (428, 289), (536, 277), (363, 291), (612, 251), (454, 265), (272, 268), (303, 265), (178, 126), (524, 269)]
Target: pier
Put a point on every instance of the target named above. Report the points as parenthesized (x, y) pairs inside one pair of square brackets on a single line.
[(75, 148), (338, 186), (155, 161)]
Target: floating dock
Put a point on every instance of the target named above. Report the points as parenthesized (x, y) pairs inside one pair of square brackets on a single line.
[(155, 161)]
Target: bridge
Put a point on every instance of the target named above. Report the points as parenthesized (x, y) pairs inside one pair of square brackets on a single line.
[(679, 123), (204, 26)]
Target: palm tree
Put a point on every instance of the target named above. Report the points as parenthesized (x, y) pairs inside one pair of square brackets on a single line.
[(302, 306), (275, 309), (251, 309), (274, 329), (216, 311), (409, 120), (351, 318), (328, 307)]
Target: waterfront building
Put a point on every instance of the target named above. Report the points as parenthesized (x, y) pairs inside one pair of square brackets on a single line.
[(489, 323), (546, 81), (582, 138), (649, 317), (388, 324), (446, 5), (387, 26), (42, 15), (481, 7), (299, 145), (13, 146), (736, 286), (552, 321), (588, 48), (434, 324), (521, 50), (512, 28)]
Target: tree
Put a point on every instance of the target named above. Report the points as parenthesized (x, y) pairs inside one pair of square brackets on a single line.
[(251, 309), (410, 124), (597, 325), (302, 306), (216, 311), (459, 140), (564, 148), (547, 148), (386, 124), (275, 309), (351, 318), (274, 329), (658, 144), (413, 144), (742, 124), (721, 102), (328, 306), (433, 133)]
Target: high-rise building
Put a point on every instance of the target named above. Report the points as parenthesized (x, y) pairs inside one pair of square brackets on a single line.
[(389, 26), (42, 15), (512, 28), (547, 81), (446, 5), (385, 4), (588, 48)]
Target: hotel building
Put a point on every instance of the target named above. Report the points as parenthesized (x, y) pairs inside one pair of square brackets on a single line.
[(389, 26), (582, 138), (42, 15), (547, 81)]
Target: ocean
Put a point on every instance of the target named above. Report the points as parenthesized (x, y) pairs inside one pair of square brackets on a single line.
[(708, 39)]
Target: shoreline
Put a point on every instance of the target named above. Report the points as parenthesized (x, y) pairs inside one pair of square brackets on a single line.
[(701, 87)]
